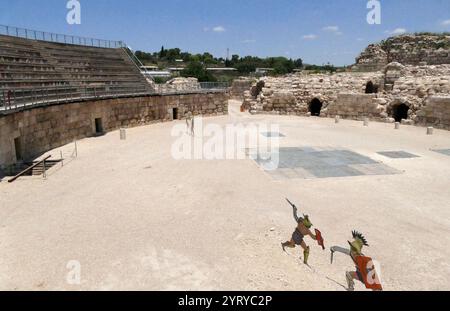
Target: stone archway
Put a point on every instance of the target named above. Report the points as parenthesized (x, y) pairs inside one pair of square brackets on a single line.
[(371, 88), (400, 112), (257, 89), (315, 107)]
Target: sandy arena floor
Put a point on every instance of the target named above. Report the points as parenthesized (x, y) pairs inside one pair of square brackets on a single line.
[(136, 219)]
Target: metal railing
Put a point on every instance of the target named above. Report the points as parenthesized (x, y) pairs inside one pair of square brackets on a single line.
[(58, 38), (29, 169), (214, 85), (17, 98), (130, 53), (14, 99)]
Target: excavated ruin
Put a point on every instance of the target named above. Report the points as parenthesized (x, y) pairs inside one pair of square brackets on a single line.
[(403, 79)]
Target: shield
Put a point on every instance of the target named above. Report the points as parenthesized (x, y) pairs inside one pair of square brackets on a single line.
[(369, 275), (320, 239)]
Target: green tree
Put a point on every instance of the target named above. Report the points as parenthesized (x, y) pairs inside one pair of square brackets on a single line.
[(162, 53), (298, 63), (198, 70)]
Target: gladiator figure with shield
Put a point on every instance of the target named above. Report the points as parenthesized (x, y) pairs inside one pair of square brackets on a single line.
[(365, 268), (303, 229)]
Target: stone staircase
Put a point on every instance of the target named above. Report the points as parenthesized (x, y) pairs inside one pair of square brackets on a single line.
[(36, 171)]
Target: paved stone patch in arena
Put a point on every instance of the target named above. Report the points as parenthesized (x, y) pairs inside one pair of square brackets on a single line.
[(398, 154), (310, 163), (273, 135), (443, 151)]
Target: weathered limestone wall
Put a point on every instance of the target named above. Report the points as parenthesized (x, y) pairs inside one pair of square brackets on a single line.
[(396, 88), (412, 86), (293, 94), (373, 58), (436, 112), (356, 107), (239, 87), (413, 50), (46, 128)]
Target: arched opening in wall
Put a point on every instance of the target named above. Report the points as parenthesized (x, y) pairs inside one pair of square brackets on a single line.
[(371, 88), (315, 107), (258, 88), (400, 112)]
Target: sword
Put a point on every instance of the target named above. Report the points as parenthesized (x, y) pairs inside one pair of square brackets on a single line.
[(292, 204), (295, 210), (339, 250)]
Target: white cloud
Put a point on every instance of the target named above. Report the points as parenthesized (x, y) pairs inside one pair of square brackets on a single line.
[(219, 29), (446, 23), (310, 37), (333, 29), (398, 31)]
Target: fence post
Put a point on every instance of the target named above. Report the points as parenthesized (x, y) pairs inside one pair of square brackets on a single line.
[(45, 170), (123, 134)]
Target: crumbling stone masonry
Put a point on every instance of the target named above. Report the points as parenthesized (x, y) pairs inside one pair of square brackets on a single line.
[(295, 94), (436, 112), (399, 93), (239, 86), (415, 93), (415, 50)]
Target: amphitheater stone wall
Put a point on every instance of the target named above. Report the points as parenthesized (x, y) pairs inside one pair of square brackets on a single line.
[(45, 128), (356, 95)]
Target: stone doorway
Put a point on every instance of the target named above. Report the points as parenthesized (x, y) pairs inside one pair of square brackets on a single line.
[(175, 113), (18, 149), (98, 126), (256, 90), (315, 107), (400, 112), (371, 88)]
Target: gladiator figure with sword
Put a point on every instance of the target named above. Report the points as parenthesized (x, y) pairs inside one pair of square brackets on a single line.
[(365, 268), (303, 229)]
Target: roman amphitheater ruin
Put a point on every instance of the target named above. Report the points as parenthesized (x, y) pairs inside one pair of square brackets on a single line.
[(403, 79), (117, 204), (53, 93)]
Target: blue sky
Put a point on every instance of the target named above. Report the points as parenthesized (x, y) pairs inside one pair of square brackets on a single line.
[(318, 31)]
